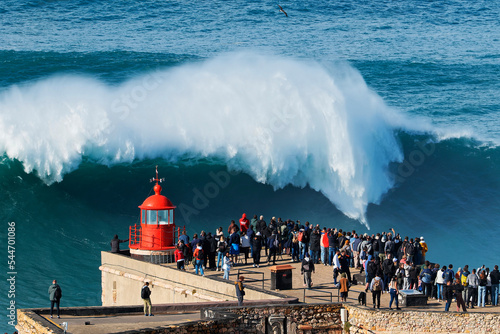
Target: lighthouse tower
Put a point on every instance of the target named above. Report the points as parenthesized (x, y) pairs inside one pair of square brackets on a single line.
[(154, 240)]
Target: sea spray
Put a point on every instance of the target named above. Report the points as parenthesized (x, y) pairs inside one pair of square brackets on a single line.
[(282, 121)]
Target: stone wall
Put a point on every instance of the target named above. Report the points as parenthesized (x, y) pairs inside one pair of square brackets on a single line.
[(409, 321), (291, 319), (28, 322)]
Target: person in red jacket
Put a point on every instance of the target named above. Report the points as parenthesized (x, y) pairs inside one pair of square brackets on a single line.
[(244, 223), (324, 247), (179, 257)]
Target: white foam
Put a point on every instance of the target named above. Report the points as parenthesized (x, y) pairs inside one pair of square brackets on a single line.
[(282, 121)]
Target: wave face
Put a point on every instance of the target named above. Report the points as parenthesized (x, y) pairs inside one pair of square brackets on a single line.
[(281, 121)]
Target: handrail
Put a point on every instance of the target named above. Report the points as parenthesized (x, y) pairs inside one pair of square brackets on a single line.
[(317, 290), (252, 272), (137, 238)]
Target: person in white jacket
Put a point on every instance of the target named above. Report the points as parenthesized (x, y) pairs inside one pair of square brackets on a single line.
[(440, 283), (336, 266)]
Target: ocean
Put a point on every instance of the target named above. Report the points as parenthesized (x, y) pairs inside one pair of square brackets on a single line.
[(364, 115)]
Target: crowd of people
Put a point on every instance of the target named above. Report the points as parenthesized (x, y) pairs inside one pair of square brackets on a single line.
[(391, 263)]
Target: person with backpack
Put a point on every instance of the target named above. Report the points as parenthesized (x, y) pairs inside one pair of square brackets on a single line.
[(448, 275), (145, 295), (306, 269), (199, 261), (410, 251), (240, 290), (426, 278), (376, 287), (55, 294), (221, 251)]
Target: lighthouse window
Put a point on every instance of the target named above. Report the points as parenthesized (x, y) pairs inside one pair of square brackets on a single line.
[(152, 215), (157, 217), (163, 216)]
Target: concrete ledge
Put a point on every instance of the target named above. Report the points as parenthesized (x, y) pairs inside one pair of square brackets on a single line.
[(86, 311)]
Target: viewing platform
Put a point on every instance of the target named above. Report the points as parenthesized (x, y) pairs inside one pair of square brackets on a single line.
[(198, 298)]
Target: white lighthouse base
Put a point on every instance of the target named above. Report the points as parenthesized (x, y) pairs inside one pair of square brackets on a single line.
[(154, 256)]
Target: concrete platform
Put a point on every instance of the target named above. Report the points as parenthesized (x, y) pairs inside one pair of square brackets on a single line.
[(323, 291)]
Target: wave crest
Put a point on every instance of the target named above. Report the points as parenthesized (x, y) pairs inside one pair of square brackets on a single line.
[(282, 121)]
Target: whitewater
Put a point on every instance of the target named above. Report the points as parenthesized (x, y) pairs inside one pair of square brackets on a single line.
[(284, 122)]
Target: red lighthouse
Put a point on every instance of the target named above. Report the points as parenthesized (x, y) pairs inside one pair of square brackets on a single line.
[(156, 237)]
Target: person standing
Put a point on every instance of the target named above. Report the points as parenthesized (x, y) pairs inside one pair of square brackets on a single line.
[(256, 248), (394, 291), (448, 295), (272, 244), (495, 280), (55, 294), (376, 287), (145, 295), (459, 288), (440, 283), (115, 244), (482, 289), (221, 251), (179, 257), (306, 269), (344, 287), (244, 223), (245, 245), (240, 290), (425, 249), (226, 266), (472, 284), (199, 261)]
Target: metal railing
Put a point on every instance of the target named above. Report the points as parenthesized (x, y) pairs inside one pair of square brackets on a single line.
[(247, 271), (136, 237), (320, 291)]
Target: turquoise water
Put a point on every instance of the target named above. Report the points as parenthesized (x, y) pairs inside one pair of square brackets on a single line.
[(351, 114)]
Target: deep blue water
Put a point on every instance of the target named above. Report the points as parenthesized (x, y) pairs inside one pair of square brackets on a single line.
[(350, 114)]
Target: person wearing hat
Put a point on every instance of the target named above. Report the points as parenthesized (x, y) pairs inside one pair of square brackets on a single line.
[(424, 248), (240, 290)]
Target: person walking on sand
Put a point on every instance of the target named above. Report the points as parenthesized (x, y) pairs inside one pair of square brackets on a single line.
[(145, 295), (55, 294), (240, 290)]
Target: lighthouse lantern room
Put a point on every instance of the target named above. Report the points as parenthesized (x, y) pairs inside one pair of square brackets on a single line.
[(156, 236)]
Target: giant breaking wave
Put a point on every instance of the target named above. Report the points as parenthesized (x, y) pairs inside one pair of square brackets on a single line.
[(279, 120)]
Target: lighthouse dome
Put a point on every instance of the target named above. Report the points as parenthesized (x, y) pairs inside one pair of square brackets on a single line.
[(157, 201)]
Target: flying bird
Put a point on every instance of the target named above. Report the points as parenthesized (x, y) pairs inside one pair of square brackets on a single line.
[(282, 10)]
